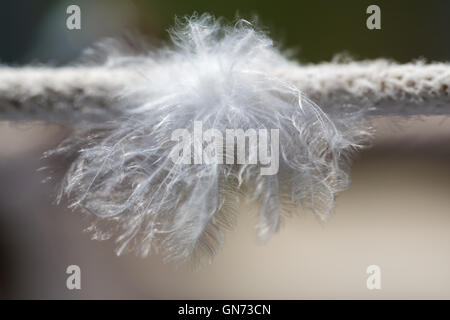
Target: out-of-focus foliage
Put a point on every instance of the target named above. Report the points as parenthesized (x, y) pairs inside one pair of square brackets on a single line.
[(34, 31)]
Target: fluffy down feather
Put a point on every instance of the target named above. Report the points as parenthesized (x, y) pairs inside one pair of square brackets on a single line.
[(220, 75)]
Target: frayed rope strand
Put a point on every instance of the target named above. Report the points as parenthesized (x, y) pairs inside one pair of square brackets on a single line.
[(387, 88)]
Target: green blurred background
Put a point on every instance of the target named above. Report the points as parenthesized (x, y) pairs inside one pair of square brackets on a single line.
[(35, 31)]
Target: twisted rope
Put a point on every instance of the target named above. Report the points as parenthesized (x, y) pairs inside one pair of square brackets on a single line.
[(56, 94)]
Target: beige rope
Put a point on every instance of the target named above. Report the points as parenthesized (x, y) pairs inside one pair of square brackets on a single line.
[(55, 94)]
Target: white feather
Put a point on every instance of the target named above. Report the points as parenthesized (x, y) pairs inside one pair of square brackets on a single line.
[(220, 75)]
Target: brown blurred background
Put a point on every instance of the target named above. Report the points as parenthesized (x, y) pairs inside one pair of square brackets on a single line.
[(396, 214)]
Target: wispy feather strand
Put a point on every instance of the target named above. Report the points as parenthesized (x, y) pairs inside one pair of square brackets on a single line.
[(220, 75)]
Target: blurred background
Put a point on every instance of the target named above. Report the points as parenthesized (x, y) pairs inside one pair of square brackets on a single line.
[(396, 214), (35, 32)]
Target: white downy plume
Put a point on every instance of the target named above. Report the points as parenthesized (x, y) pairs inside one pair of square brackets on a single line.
[(220, 75)]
